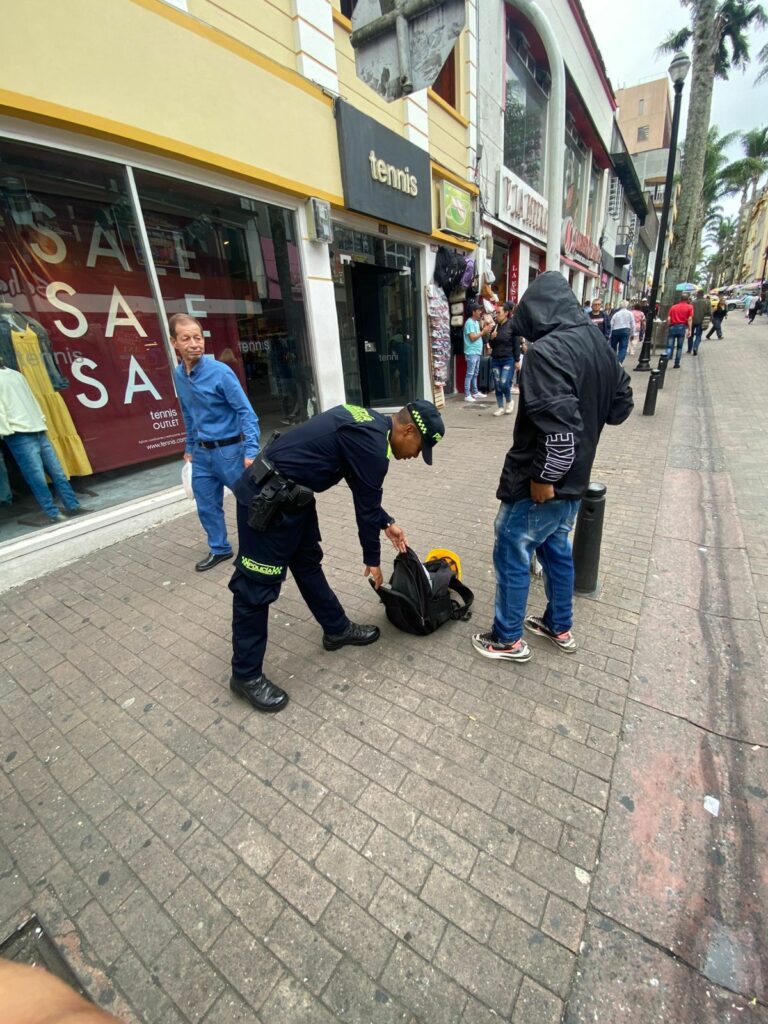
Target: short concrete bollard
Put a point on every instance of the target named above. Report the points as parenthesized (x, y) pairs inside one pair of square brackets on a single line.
[(588, 537), (650, 395), (663, 362)]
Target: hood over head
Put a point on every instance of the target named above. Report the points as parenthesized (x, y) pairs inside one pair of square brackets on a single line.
[(549, 304)]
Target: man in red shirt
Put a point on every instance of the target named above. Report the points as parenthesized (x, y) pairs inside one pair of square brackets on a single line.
[(680, 319)]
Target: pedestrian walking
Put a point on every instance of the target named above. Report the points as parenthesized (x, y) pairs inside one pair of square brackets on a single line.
[(598, 317), (702, 309), (278, 528), (474, 336), (755, 307), (622, 329), (719, 313), (505, 358), (571, 387), (640, 324), (680, 319), (222, 431)]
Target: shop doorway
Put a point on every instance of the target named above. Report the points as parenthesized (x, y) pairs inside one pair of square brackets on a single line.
[(377, 301)]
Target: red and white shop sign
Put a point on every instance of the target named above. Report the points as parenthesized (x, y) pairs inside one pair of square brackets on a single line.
[(576, 243)]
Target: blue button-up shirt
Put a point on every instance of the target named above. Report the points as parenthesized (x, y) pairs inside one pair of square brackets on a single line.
[(215, 407)]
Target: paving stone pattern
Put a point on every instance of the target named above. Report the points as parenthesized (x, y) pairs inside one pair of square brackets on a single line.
[(413, 839)]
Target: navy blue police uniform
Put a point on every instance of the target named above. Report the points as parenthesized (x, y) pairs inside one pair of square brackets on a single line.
[(345, 443)]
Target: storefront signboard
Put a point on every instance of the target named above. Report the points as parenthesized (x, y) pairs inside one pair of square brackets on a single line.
[(577, 244), (384, 175), (455, 207), (520, 206)]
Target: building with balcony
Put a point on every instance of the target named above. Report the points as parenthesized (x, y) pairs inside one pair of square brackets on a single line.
[(645, 121), (513, 108)]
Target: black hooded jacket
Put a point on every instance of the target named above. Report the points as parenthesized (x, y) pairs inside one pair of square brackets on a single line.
[(571, 386)]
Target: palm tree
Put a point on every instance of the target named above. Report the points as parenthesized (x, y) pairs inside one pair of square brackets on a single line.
[(753, 166), (720, 236), (744, 175), (713, 186), (718, 33)]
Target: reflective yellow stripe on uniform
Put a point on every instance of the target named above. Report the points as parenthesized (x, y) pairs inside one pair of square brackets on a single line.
[(260, 567)]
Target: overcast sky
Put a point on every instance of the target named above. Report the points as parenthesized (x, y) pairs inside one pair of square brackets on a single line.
[(628, 36)]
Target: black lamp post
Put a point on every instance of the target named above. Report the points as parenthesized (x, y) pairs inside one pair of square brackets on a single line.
[(678, 70)]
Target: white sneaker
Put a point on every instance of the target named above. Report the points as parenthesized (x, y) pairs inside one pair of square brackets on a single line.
[(510, 408), (481, 394), (499, 412), (468, 398)]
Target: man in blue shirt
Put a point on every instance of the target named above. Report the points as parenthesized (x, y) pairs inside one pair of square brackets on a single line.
[(345, 443), (222, 431)]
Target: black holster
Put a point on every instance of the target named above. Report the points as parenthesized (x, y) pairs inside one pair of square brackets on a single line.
[(278, 494)]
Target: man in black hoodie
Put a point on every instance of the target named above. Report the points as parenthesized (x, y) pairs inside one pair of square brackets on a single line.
[(571, 386)]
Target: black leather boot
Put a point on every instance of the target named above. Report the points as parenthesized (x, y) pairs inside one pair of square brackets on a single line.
[(260, 692), (354, 634)]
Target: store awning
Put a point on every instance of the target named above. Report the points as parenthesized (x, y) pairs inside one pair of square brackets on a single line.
[(578, 266)]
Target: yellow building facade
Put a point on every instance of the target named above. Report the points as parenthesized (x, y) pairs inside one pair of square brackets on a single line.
[(160, 157)]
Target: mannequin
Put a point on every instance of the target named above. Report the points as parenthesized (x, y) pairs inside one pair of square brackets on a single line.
[(25, 346), (22, 427)]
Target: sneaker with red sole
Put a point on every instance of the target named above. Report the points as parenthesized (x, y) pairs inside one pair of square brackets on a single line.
[(564, 641), (487, 645)]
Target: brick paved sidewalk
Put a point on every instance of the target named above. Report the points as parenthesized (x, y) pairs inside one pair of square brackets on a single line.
[(413, 839)]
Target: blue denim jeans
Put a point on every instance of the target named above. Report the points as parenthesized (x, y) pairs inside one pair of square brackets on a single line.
[(522, 528), (6, 497), (695, 339), (502, 371), (212, 470), (470, 379), (620, 342), (675, 341), (35, 457)]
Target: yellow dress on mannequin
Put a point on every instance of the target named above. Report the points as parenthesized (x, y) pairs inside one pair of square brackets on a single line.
[(62, 432)]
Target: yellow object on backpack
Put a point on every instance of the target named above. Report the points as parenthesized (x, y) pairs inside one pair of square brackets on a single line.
[(450, 557)]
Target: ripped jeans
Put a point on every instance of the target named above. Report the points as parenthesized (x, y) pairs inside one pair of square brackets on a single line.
[(522, 528)]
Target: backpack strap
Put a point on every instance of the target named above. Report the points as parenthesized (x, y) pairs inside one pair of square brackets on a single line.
[(466, 595)]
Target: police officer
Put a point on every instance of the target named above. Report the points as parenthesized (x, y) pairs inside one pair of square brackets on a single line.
[(278, 528), (222, 431)]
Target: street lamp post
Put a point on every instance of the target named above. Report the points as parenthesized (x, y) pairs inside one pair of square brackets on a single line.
[(678, 70)]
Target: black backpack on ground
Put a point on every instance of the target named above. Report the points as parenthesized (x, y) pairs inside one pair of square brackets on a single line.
[(420, 596)]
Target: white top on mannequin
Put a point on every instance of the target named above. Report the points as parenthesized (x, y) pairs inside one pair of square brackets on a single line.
[(19, 411)]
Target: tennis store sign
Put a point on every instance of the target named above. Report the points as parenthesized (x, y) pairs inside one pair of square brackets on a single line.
[(384, 175)]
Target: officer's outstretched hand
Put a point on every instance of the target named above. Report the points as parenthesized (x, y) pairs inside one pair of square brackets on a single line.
[(396, 535), (374, 571)]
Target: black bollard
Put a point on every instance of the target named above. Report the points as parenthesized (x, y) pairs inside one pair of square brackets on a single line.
[(650, 395), (587, 539), (663, 360)]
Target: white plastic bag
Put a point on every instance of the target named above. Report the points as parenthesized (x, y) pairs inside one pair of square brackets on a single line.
[(186, 479)]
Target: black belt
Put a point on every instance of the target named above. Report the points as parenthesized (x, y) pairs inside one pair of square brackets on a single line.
[(221, 444)]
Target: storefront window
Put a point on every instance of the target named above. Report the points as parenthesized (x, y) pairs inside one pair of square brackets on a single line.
[(377, 301), (525, 121), (573, 179), (233, 263), (80, 324), (593, 228)]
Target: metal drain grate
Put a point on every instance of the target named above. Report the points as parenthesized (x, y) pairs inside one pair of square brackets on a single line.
[(31, 944)]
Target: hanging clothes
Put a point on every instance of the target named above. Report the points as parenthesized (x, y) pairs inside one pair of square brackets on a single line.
[(61, 430)]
